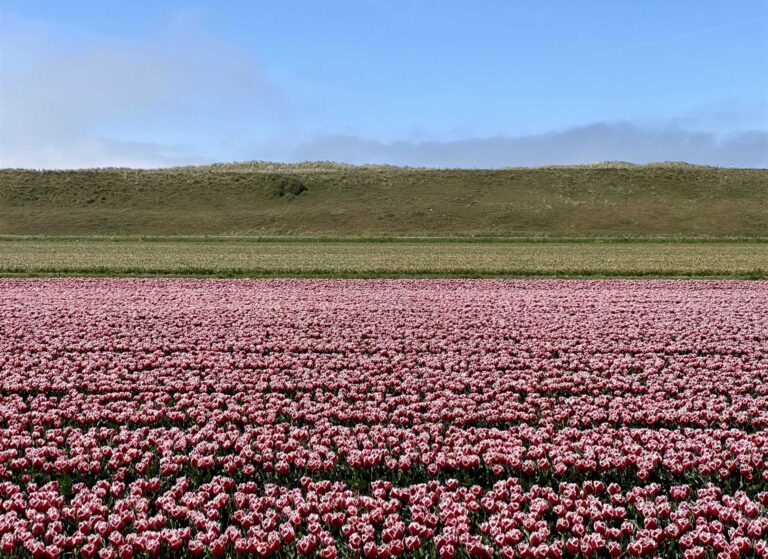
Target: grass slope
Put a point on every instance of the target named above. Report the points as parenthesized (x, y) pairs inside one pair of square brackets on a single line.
[(244, 258), (666, 200)]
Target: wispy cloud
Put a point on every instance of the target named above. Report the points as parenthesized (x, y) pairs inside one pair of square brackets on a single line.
[(676, 37)]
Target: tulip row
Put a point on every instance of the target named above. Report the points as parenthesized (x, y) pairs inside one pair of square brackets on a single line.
[(281, 453), (322, 518)]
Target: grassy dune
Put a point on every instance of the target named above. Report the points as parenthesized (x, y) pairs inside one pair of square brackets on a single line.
[(667, 200), (243, 258)]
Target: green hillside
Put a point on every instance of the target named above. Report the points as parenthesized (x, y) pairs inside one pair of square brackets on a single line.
[(312, 199)]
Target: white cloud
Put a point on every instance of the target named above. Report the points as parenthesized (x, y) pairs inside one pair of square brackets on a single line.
[(583, 144), (102, 101)]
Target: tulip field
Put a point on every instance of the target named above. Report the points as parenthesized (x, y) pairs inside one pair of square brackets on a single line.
[(383, 418)]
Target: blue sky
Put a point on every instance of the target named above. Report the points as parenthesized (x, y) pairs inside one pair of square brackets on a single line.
[(435, 83)]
